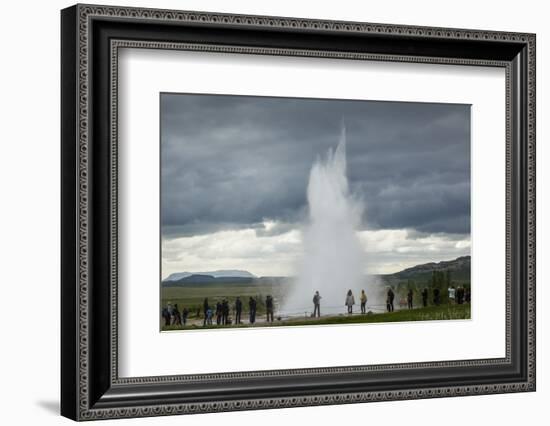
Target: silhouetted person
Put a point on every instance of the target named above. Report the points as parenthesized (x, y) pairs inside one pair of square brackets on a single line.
[(205, 307), (252, 310), (238, 310), (363, 302), (184, 314), (410, 299), (316, 304), (225, 311), (467, 295), (350, 301), (437, 297), (166, 317), (218, 313), (269, 308), (425, 297), (389, 300), (177, 316)]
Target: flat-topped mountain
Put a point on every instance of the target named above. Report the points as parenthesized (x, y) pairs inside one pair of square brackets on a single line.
[(216, 274)]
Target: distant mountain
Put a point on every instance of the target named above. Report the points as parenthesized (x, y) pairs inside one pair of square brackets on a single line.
[(226, 277), (459, 267), (216, 274)]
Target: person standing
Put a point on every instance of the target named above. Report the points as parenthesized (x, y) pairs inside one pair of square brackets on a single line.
[(225, 312), (410, 299), (252, 310), (177, 316), (171, 312), (205, 307), (269, 308), (184, 314), (452, 294), (218, 313), (425, 297), (437, 297), (350, 301), (166, 316), (317, 304), (389, 300), (238, 310), (363, 302)]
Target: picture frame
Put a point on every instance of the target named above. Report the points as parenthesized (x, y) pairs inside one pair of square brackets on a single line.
[(91, 37)]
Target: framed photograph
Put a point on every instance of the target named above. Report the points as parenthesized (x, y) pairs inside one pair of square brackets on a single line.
[(264, 212)]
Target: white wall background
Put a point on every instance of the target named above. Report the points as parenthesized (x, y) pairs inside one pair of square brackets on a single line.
[(29, 212)]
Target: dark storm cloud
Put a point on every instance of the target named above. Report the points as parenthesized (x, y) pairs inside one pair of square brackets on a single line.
[(235, 161)]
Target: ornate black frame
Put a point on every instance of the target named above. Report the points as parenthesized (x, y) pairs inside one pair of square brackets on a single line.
[(91, 37)]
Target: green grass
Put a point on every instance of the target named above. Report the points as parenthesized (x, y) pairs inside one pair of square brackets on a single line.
[(430, 313), (192, 297)]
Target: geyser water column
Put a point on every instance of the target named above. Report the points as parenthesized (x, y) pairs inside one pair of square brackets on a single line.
[(333, 260)]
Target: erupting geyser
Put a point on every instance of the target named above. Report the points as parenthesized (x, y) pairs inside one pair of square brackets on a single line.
[(333, 260)]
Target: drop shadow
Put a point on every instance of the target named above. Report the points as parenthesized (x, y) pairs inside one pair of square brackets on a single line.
[(50, 406)]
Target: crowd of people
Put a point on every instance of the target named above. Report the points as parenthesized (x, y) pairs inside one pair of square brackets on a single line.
[(219, 313), (172, 315), (459, 295)]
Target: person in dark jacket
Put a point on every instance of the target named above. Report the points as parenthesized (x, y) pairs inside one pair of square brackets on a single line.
[(184, 315), (389, 300), (225, 312), (238, 310), (177, 315), (252, 310), (317, 304), (460, 295), (437, 297), (410, 299), (269, 308), (166, 316), (205, 307), (218, 313), (425, 297)]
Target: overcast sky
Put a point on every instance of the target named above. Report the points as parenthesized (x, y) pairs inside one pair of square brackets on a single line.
[(234, 173)]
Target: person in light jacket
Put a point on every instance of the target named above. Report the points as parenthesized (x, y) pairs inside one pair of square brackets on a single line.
[(350, 301), (363, 302)]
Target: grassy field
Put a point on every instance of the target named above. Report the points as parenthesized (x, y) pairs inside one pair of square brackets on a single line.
[(430, 313), (433, 313), (192, 297)]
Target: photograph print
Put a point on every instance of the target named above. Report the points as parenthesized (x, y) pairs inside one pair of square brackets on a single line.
[(309, 212)]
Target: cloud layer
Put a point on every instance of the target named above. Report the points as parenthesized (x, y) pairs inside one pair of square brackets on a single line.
[(387, 251), (236, 161)]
